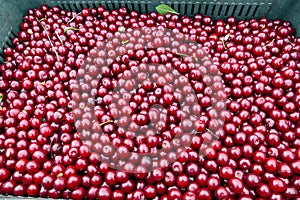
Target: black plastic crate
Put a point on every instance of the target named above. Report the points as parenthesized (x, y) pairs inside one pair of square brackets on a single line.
[(11, 12)]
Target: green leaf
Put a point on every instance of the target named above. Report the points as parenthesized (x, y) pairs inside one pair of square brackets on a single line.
[(164, 9), (70, 28), (1, 97)]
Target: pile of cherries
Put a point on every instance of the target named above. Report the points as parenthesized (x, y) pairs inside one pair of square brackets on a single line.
[(256, 154)]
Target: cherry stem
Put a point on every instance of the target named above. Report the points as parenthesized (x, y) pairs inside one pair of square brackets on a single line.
[(270, 43), (196, 59), (107, 122), (59, 39), (291, 43), (224, 45), (56, 54), (181, 55), (125, 42), (73, 18), (51, 142)]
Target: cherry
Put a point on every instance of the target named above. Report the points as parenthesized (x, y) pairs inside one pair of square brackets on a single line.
[(174, 193), (236, 185), (204, 193), (104, 193), (117, 194), (48, 181), (263, 190), (213, 183), (32, 190), (73, 182), (182, 181), (221, 193), (271, 165), (150, 192), (277, 185), (4, 174), (78, 193)]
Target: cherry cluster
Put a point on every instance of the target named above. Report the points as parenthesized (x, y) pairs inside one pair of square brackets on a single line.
[(237, 134)]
